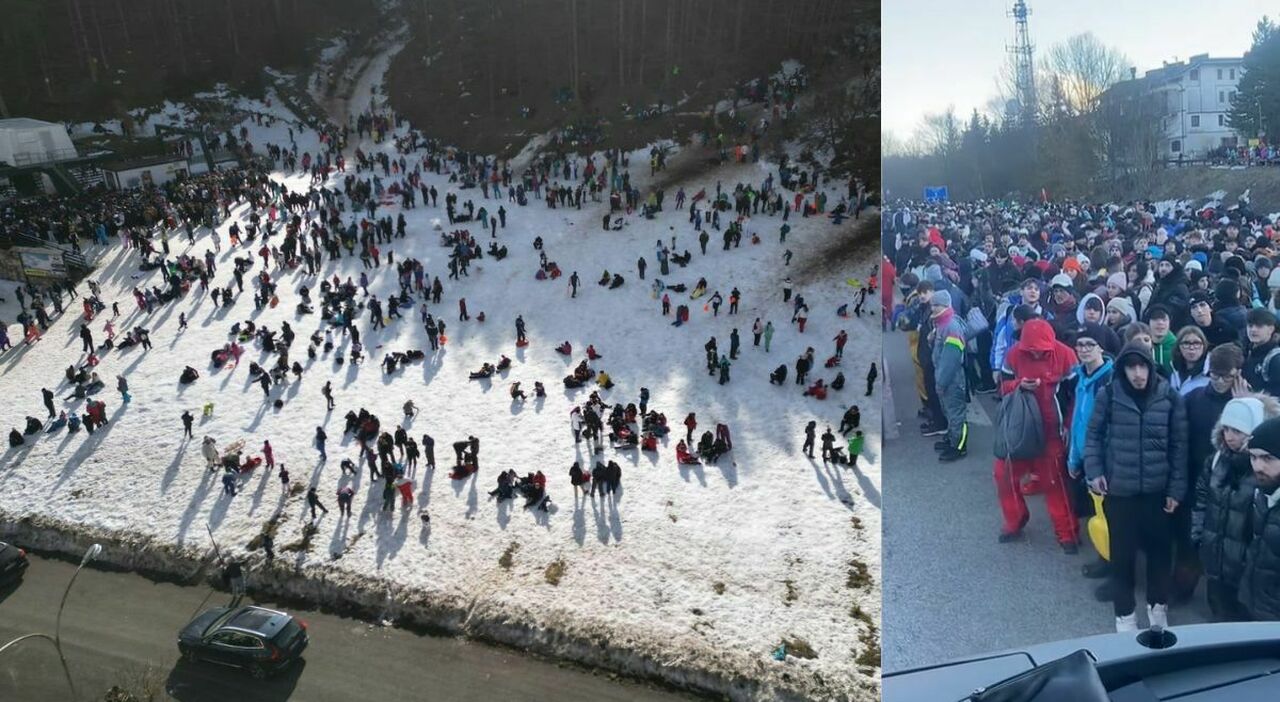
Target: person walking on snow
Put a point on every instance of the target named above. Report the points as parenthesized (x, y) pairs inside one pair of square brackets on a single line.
[(756, 330), (268, 455), (809, 430), (462, 309), (520, 337), (690, 423), (320, 439), (187, 420), (734, 344), (313, 501), (768, 335), (840, 340), (48, 401), (872, 374), (327, 391)]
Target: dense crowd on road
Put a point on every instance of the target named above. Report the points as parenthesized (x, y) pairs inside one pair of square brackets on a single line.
[(1135, 354)]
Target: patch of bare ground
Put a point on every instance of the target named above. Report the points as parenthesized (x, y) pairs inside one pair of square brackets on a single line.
[(837, 256)]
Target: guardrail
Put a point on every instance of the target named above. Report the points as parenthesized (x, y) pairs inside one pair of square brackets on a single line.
[(51, 156)]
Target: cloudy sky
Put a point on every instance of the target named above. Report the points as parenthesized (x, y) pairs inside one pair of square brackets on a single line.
[(948, 52)]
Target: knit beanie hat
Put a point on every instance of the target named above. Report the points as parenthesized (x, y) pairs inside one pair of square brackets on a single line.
[(1119, 280), (1266, 437), (1123, 306), (1243, 414), (1194, 266), (941, 298), (1273, 280), (1227, 292)]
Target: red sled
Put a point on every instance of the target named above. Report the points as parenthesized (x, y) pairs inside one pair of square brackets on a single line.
[(833, 362), (522, 344)]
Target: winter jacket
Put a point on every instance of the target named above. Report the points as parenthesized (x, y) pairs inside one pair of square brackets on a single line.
[(1262, 367), (1260, 583), (1162, 353), (1138, 440), (1185, 379), (1175, 294), (948, 352), (1220, 332), (1087, 386), (1204, 408), (1039, 355), (1004, 335), (1221, 520)]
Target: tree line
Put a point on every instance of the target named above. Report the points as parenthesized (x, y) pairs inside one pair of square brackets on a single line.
[(65, 59)]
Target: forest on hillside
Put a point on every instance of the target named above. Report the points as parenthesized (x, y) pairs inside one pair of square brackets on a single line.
[(72, 59)]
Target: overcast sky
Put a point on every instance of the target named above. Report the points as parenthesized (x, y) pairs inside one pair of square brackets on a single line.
[(948, 52)]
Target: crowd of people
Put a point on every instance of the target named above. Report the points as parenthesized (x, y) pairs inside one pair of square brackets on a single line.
[(1134, 349), (281, 240)]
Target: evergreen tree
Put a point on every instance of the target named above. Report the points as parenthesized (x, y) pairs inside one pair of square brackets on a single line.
[(1256, 106)]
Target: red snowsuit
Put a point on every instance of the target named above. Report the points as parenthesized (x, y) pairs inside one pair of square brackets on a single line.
[(1038, 355)]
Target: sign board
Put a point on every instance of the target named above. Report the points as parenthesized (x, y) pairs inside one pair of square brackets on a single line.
[(936, 194), (42, 264)]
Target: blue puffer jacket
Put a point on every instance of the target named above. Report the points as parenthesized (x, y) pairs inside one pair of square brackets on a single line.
[(1086, 392)]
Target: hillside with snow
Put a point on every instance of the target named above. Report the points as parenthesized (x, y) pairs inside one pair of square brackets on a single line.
[(687, 570)]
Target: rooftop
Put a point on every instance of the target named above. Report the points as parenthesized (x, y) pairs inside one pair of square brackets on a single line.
[(26, 123)]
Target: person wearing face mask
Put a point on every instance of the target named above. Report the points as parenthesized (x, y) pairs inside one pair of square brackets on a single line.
[(1259, 592), (1136, 457), (1220, 520)]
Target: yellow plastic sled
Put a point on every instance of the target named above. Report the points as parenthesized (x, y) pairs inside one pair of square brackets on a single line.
[(1097, 526)]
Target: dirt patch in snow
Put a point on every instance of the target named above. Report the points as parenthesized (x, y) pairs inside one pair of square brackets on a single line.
[(555, 571)]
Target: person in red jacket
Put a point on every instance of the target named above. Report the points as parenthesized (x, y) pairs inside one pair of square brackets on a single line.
[(841, 339), (690, 423), (1037, 363)]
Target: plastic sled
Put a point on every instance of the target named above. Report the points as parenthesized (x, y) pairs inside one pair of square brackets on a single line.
[(1098, 532)]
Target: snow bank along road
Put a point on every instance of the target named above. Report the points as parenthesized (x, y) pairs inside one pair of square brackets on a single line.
[(116, 625), (691, 574)]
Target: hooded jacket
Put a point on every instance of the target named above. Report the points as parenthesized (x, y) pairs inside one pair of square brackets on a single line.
[(1087, 387), (1260, 582), (1137, 439), (1039, 355), (1262, 367), (1221, 520), (1162, 353), (1174, 293)]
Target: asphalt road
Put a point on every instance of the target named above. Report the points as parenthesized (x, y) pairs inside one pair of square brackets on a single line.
[(950, 589), (120, 627)]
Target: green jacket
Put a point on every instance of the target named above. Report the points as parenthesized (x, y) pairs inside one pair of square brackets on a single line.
[(855, 445), (1162, 353)]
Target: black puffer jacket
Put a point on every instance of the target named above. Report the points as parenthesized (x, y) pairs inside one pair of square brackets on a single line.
[(1138, 440), (1260, 585), (1222, 518)]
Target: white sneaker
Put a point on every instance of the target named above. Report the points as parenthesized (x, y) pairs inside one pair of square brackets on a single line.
[(1129, 622), (1158, 615)]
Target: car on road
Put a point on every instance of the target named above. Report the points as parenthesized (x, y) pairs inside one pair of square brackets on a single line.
[(260, 640), (13, 563)]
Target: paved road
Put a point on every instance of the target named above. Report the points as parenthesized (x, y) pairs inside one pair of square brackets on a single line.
[(949, 588), (118, 624)]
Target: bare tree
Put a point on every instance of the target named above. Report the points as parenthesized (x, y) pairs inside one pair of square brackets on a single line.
[(939, 132), (1084, 68)]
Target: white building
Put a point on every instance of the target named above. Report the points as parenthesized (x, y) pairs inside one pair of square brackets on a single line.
[(1194, 99), (25, 141)]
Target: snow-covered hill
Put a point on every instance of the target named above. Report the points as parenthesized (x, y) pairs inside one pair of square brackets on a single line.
[(707, 567)]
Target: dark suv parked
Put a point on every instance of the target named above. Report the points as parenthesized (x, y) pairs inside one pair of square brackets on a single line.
[(262, 641)]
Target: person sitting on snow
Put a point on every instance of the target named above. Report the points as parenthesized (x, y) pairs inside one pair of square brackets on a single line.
[(683, 456), (516, 392), (838, 383), (505, 490), (538, 389), (565, 349), (605, 278), (486, 371), (604, 381), (503, 363), (779, 375), (617, 282), (188, 376), (818, 390), (582, 372), (15, 438), (700, 288), (591, 352)]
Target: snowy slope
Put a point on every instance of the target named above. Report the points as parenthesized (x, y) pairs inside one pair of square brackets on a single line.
[(710, 566)]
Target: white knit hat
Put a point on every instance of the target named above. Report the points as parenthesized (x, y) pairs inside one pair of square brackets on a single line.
[(1243, 414)]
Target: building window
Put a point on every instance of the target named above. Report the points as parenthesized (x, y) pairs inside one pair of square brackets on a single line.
[(1233, 74), (1176, 146), (1222, 120), (1219, 74), (1195, 120), (1221, 95), (1195, 74)]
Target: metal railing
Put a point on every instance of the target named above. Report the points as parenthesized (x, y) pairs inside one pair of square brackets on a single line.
[(48, 156)]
